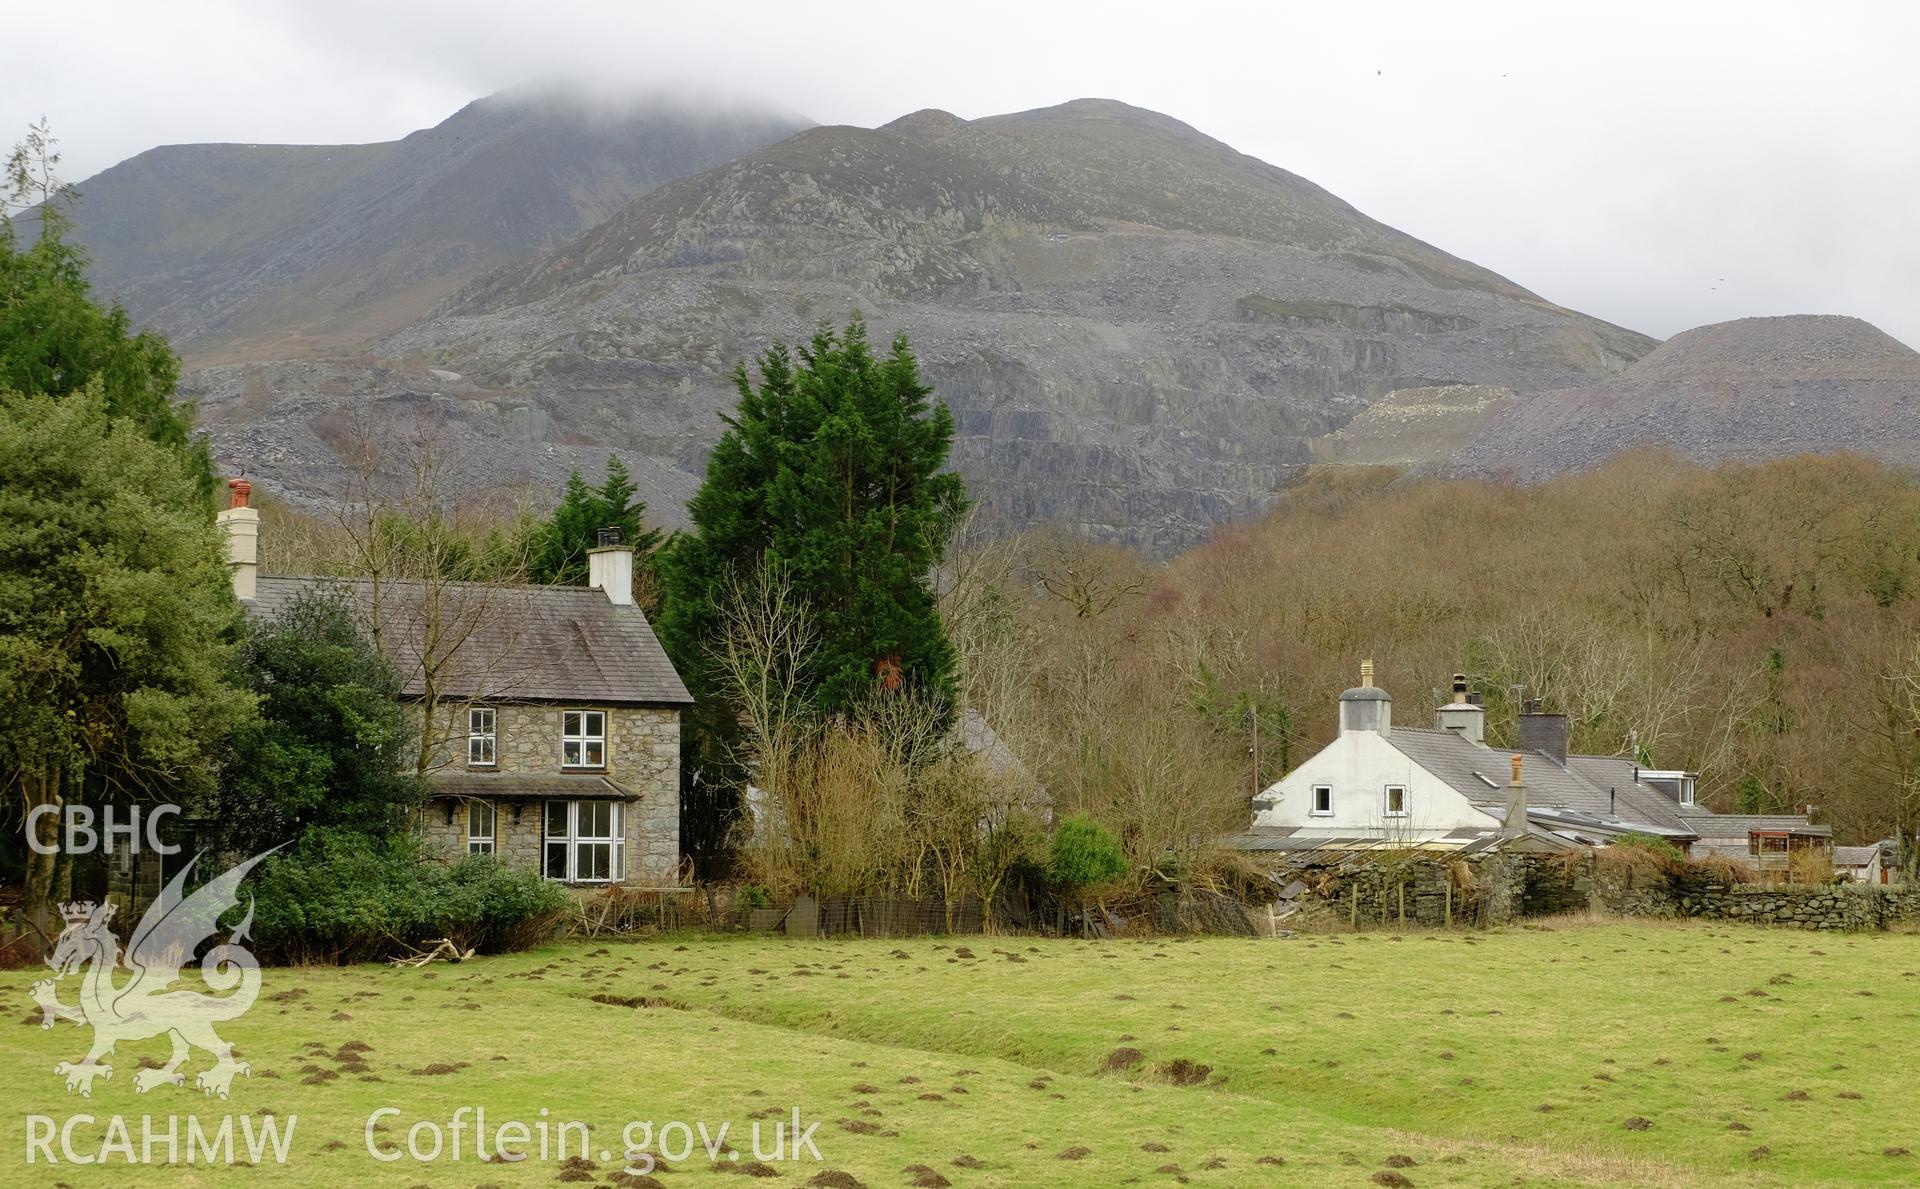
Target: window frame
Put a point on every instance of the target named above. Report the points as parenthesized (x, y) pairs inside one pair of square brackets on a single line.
[(574, 841), (491, 735), (1386, 805), (488, 843), (583, 738), (1313, 806)]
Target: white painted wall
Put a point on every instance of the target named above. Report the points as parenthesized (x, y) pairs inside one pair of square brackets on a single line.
[(1360, 765)]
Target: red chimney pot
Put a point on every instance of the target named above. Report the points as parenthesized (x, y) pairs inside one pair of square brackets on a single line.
[(242, 491)]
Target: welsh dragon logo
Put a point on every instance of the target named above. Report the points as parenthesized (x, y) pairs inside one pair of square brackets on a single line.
[(143, 1007)]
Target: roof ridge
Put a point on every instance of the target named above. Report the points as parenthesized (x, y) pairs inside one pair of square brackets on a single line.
[(462, 582)]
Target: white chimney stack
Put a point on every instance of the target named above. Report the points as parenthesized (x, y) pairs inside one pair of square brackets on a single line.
[(1367, 707), (1461, 716), (610, 568), (242, 526)]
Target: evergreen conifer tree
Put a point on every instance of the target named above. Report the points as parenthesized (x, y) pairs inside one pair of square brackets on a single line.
[(831, 470), (559, 554)]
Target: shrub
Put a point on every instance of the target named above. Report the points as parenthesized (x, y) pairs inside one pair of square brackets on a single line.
[(1633, 866), (1085, 854), (1652, 845), (490, 907), (344, 897), (1813, 865), (1722, 869)]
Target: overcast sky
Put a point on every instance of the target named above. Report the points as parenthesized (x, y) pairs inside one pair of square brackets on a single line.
[(1659, 165)]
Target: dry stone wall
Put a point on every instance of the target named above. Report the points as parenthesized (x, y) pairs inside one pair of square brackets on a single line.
[(1852, 906), (1498, 889)]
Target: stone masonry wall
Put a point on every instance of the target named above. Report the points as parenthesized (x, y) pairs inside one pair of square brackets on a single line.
[(1486, 890), (1497, 889), (1423, 891), (643, 755), (1800, 906), (1820, 906)]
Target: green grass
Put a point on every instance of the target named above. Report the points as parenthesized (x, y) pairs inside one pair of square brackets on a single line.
[(1330, 1053)]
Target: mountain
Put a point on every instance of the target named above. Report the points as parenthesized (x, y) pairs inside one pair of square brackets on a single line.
[(1414, 428), (1752, 388), (272, 251), (1140, 330)]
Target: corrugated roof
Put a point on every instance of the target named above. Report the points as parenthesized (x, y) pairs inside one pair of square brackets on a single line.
[(516, 643)]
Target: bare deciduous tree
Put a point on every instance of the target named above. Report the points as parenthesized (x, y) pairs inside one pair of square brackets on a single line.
[(447, 626)]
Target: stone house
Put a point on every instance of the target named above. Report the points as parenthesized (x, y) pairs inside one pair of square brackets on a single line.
[(1441, 787), (550, 715)]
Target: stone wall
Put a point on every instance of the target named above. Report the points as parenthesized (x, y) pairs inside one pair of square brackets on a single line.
[(1486, 890), (643, 755), (1691, 892), (1550, 885), (1625, 892), (1497, 889), (1820, 906), (1422, 891)]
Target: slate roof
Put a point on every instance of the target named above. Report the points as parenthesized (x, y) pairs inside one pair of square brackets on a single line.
[(1618, 773), (1288, 840), (1480, 774), (522, 643), (982, 742), (1709, 824), (1853, 856)]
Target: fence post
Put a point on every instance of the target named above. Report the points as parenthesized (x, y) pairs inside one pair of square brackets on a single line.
[(1449, 908)]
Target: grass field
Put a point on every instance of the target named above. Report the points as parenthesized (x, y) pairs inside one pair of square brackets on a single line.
[(1584, 1054)]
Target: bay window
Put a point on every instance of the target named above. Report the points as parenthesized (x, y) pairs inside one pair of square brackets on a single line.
[(584, 842)]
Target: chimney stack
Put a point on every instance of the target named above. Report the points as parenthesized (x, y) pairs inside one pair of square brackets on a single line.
[(610, 567), (1541, 732), (1462, 716), (1366, 707), (1515, 823), (241, 523)]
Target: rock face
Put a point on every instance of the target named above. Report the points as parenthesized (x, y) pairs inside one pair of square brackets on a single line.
[(1139, 329), (1416, 428), (270, 251), (1754, 388)]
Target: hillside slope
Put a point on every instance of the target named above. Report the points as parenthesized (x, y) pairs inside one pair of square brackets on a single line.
[(271, 251), (1139, 328), (1748, 389)]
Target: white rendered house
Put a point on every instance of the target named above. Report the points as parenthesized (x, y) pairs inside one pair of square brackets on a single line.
[(1382, 783)]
